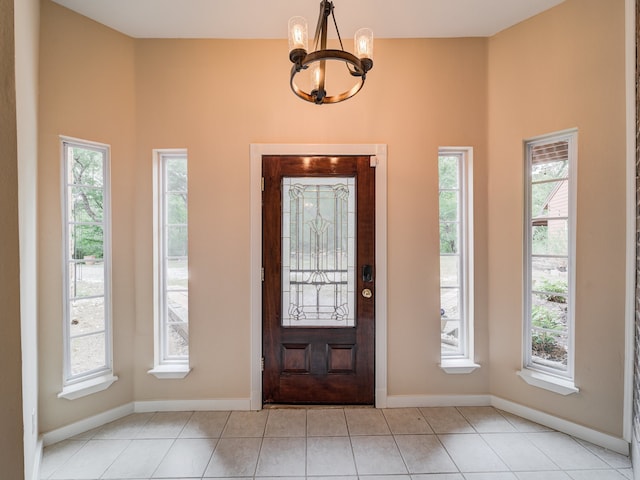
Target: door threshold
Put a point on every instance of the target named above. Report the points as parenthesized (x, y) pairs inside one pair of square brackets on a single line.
[(276, 406)]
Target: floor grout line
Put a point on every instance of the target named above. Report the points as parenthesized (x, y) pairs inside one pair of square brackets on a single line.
[(397, 427)]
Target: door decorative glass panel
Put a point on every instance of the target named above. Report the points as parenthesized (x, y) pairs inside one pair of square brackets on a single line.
[(318, 252)]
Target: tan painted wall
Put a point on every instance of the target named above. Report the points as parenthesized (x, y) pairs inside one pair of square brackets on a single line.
[(11, 445), (562, 69), (86, 91), (216, 97), (200, 95), (204, 96)]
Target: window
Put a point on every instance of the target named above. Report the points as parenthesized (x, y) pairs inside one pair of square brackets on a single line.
[(171, 265), (456, 259), (550, 212), (87, 268)]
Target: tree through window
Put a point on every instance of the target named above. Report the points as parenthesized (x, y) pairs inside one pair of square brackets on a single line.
[(87, 319)]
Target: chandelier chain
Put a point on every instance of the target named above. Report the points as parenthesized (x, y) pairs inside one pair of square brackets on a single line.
[(337, 31)]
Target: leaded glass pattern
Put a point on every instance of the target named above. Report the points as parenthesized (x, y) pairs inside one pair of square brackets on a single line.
[(318, 251)]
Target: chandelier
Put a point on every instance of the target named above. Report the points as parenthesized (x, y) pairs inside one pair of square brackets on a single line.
[(317, 61)]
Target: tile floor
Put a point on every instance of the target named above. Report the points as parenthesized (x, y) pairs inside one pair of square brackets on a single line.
[(464, 443)]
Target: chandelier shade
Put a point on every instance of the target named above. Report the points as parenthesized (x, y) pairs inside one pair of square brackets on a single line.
[(316, 63)]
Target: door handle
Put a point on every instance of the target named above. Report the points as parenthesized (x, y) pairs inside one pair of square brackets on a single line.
[(367, 273)]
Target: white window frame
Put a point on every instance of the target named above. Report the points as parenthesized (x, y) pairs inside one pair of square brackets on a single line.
[(165, 366), (96, 380), (464, 360), (536, 373)]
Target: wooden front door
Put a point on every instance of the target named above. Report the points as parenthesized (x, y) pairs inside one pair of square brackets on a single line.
[(318, 312)]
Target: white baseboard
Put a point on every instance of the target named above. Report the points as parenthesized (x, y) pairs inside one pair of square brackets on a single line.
[(598, 438), (103, 418), (393, 401), (192, 405), (406, 401), (605, 440), (86, 424)]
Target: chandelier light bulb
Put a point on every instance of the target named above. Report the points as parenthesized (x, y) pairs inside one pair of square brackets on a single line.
[(315, 77), (363, 41), (298, 34)]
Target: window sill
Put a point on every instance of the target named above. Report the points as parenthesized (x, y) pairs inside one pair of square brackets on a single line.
[(458, 366), (166, 372), (88, 387), (552, 383)]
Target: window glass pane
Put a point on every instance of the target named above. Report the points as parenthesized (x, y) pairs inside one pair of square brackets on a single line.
[(87, 325), (550, 237), (549, 310), (449, 270), (86, 241), (550, 252), (550, 199), (450, 303), (177, 241), (177, 276), (318, 237), (86, 316), (86, 278), (449, 336), (549, 348), (449, 206), (448, 172), (86, 167), (176, 208), (549, 170), (545, 270), (452, 219), (87, 353), (86, 204), (177, 334), (173, 206), (449, 238), (176, 171)]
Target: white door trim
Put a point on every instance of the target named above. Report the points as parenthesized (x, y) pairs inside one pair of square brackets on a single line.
[(379, 151)]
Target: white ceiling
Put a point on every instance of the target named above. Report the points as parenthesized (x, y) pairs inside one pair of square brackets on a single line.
[(268, 18)]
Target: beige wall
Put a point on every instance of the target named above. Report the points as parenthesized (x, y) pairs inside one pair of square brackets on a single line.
[(11, 445), (559, 70), (216, 97), (86, 91), (204, 96)]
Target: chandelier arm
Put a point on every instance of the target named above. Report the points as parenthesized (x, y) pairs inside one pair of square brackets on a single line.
[(326, 7), (337, 30)]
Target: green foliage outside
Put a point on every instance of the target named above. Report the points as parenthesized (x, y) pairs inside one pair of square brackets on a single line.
[(448, 203), (545, 342), (176, 206), (87, 203), (550, 288)]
